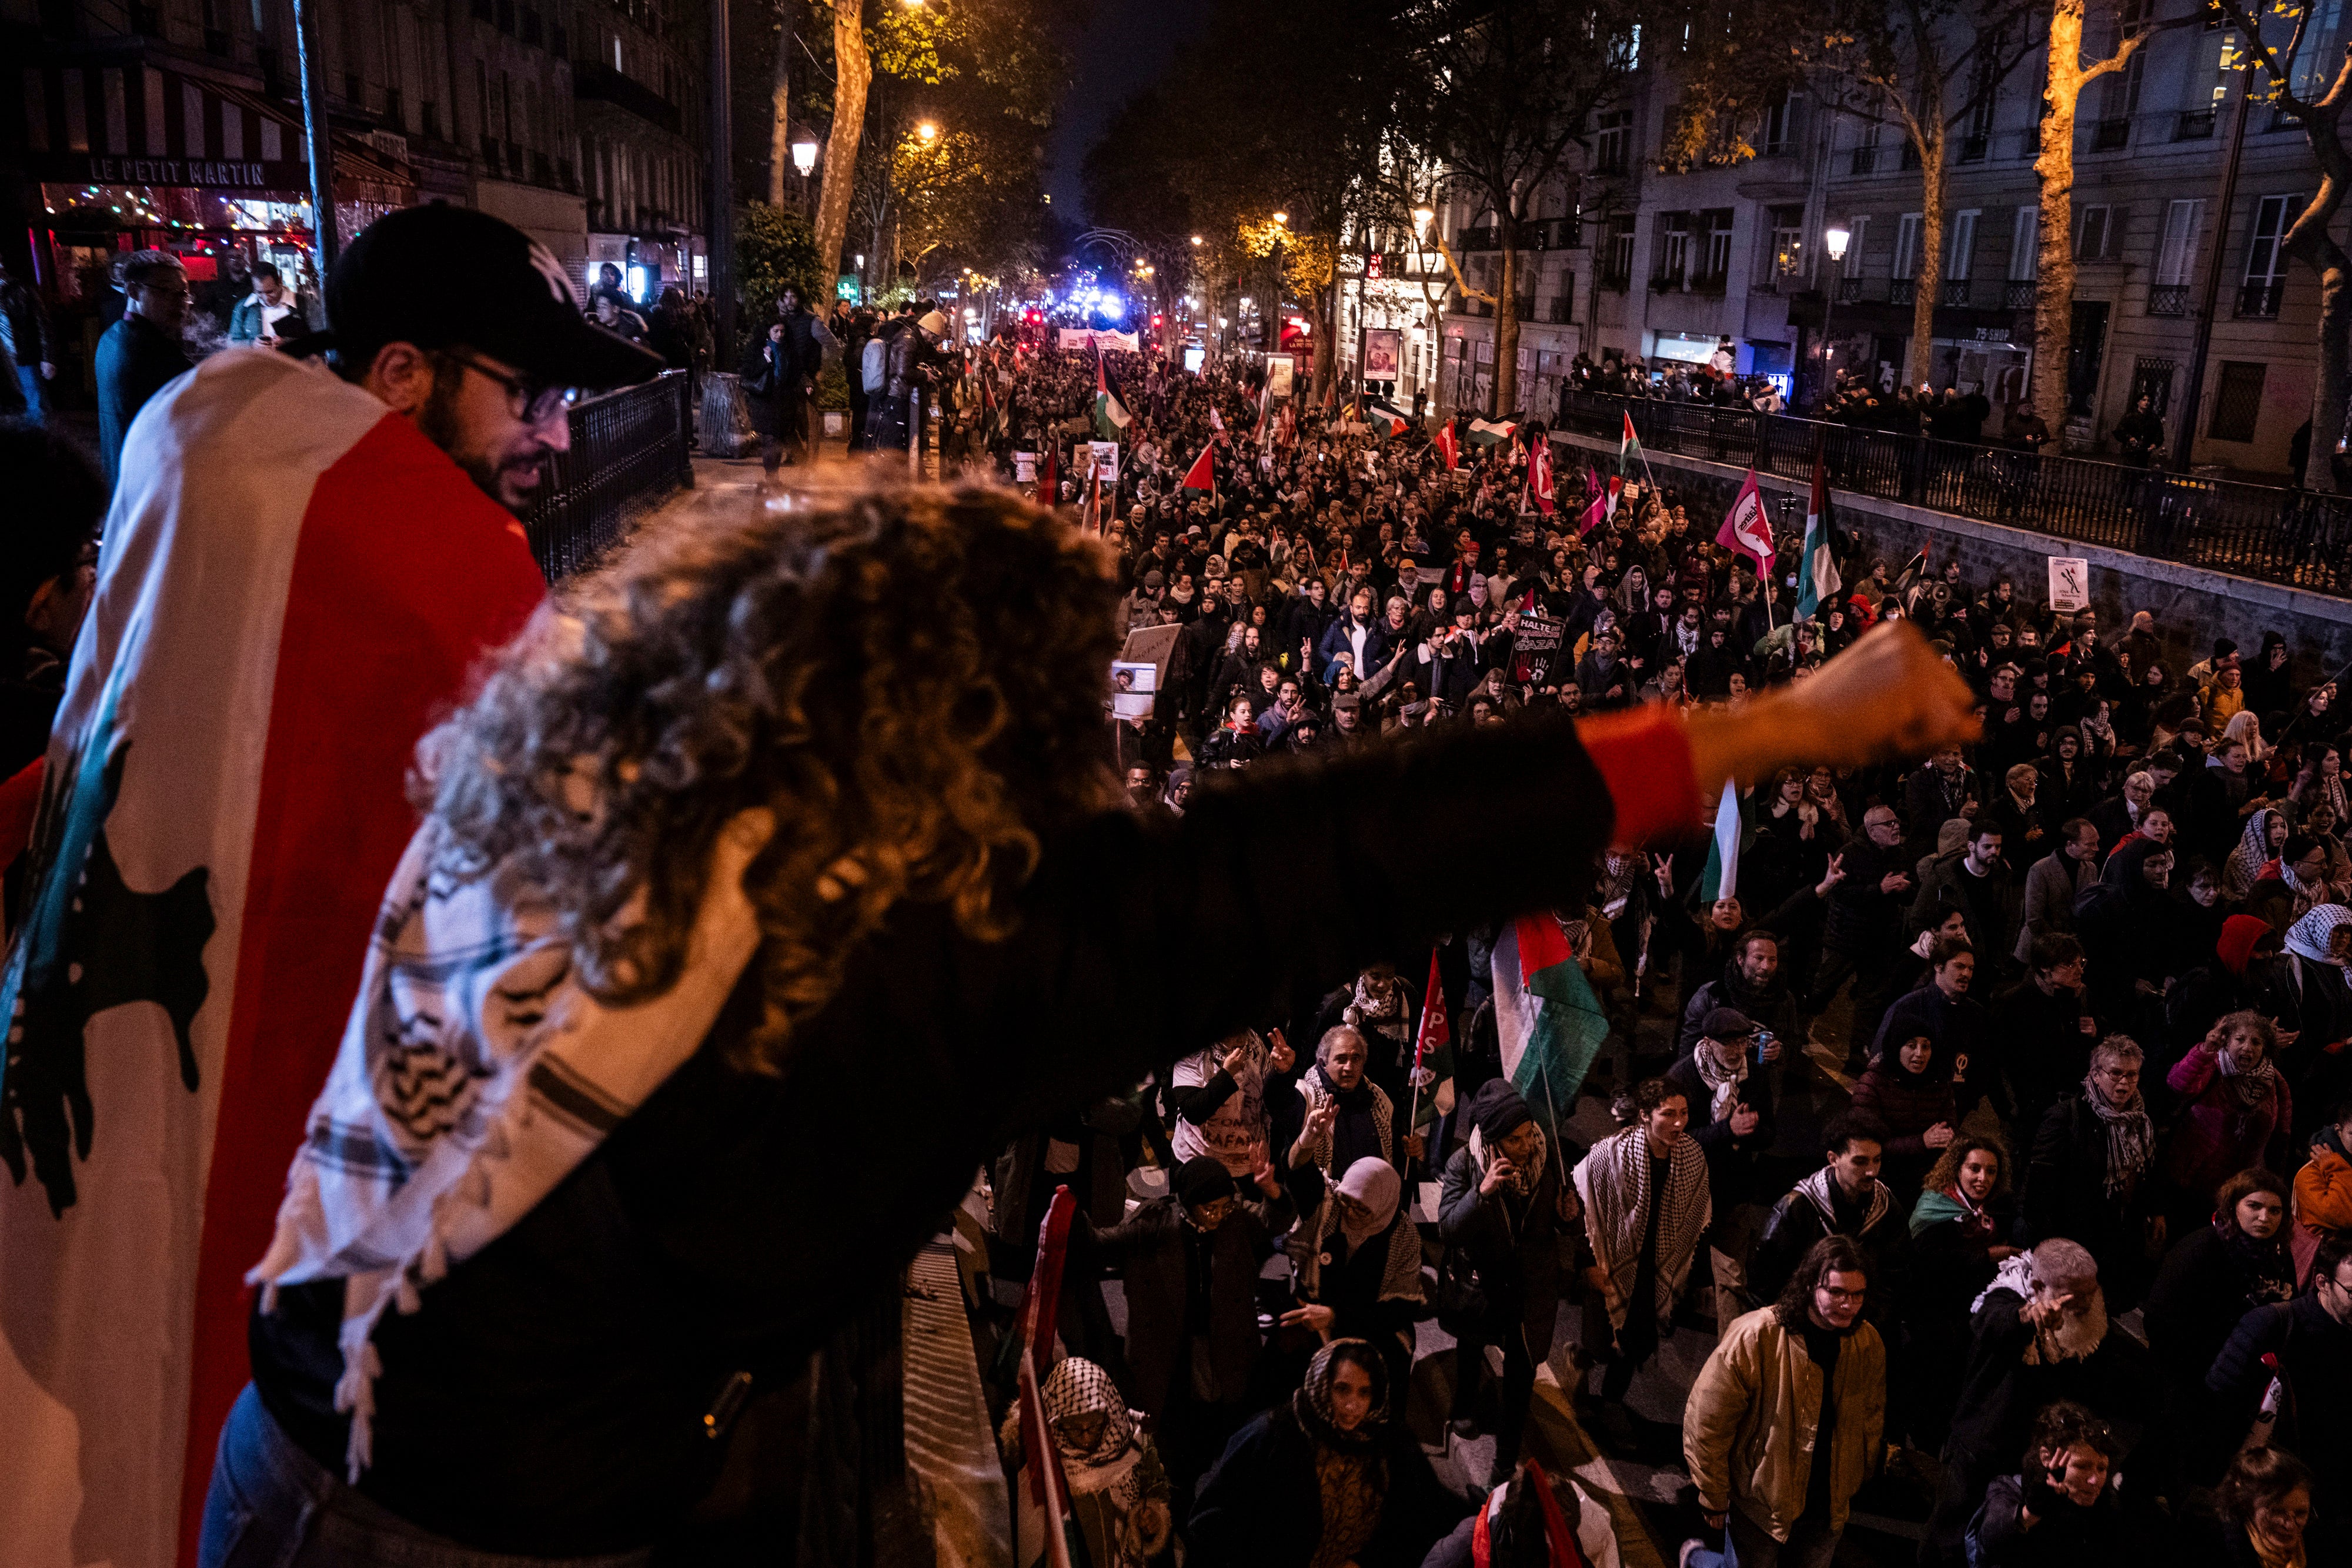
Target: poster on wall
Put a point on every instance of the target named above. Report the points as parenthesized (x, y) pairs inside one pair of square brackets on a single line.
[(1281, 371), (2070, 583), (1383, 353)]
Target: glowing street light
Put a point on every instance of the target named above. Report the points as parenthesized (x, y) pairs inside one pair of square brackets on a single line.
[(1281, 220), (1421, 216), (804, 156), (928, 131), (1196, 239), (1836, 241)]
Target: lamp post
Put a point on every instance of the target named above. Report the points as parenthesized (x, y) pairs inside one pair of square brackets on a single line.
[(1835, 240)]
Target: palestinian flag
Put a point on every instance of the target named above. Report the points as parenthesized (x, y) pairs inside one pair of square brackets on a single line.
[(1491, 432), (1550, 1023), (1110, 416), (1391, 414), (223, 806), (1817, 574), (1202, 475), (1432, 1054), (1446, 447), (1629, 453), (1721, 877)]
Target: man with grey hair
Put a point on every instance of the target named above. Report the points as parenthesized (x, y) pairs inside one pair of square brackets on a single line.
[(2041, 1334), (140, 354), (1339, 1115), (2120, 815)]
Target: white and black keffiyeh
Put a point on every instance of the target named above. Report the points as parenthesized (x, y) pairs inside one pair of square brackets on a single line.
[(1722, 1083), (1614, 1182), (474, 1075), (1815, 1187)]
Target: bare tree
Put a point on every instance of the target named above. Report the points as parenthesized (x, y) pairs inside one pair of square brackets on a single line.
[(852, 73), (779, 99)]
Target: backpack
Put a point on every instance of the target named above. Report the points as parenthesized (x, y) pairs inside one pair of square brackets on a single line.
[(874, 364)]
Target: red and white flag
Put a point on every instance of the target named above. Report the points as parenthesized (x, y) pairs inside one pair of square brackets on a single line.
[(294, 584), (1216, 421), (1447, 447), (1745, 527), (1540, 484)]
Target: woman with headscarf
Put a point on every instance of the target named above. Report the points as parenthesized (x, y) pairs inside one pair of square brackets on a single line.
[(2235, 1112), (2309, 995), (2258, 846), (1646, 1208), (2124, 922), (2089, 1179), (1330, 1478), (1357, 1257), (1909, 1087), (1118, 1491)]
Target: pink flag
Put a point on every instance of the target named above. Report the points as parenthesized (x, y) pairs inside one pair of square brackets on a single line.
[(1540, 477), (1744, 526)]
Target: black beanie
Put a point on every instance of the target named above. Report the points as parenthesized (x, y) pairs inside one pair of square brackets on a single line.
[(1203, 1179), (1497, 1111)]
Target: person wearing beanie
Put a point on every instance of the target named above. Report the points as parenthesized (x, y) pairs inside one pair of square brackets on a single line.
[(1188, 1263), (1730, 1096), (1500, 1210)]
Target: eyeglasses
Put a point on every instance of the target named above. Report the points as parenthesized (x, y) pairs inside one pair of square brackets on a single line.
[(529, 399)]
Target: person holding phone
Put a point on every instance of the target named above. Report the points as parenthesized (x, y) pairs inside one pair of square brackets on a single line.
[(1732, 1123)]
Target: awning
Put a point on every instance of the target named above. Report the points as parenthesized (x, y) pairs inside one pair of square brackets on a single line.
[(139, 124)]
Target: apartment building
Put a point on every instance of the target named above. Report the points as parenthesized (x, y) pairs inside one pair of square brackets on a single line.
[(178, 124), (1728, 265)]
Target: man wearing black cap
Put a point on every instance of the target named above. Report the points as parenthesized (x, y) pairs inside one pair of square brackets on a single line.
[(1189, 1263), (302, 570), (1731, 1122)]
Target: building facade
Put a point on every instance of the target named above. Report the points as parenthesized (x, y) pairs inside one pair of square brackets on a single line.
[(1727, 265)]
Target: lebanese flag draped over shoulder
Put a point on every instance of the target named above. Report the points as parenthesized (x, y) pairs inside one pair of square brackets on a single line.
[(1547, 1020), (1447, 447), (294, 583), (1539, 483), (1744, 527)]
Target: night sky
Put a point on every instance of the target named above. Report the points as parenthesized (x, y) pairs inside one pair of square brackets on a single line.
[(1127, 47)]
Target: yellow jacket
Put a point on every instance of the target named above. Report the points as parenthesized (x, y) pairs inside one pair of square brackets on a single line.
[(1748, 1432)]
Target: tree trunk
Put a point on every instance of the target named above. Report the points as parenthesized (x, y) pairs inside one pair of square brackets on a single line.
[(2310, 241), (1327, 323), (2053, 298), (852, 73), (1507, 323), (1920, 360), (779, 104)]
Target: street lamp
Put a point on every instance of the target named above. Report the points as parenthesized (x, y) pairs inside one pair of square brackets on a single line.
[(1196, 239), (1421, 216), (1281, 219), (804, 156), (927, 132), (1835, 240)]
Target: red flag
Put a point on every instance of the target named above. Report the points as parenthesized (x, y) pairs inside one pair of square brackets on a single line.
[(1202, 475), (1044, 1298), (1049, 482), (1539, 483), (1435, 1032), (1744, 529), (1446, 446), (1603, 493)]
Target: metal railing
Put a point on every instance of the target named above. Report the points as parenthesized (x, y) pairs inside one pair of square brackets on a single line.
[(2258, 298), (2252, 531), (2167, 299), (628, 447)]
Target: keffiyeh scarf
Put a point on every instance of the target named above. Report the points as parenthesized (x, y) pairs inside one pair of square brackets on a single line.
[(2254, 851), (475, 1074), (1818, 1192), (1521, 1179), (1079, 1387), (1614, 1182), (1723, 1082)]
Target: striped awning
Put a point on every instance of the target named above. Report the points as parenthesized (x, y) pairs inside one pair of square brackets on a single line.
[(135, 123)]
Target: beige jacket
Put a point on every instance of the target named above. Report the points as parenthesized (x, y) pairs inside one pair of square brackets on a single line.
[(1748, 1432)]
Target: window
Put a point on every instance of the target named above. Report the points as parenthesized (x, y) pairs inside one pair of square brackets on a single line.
[(1907, 246), (1613, 147), (2093, 230), (1788, 254), (2152, 380), (2175, 251), (1673, 248), (2321, 54), (2239, 402), (1858, 236), (1621, 248), (2025, 245), (1718, 243), (1780, 128), (1961, 257), (2266, 255)]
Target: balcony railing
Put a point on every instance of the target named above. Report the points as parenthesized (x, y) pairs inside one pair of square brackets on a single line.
[(596, 80), (2109, 134), (2260, 301), (1849, 291), (2250, 531), (2167, 299), (1954, 293), (1902, 290), (1615, 280), (2019, 293), (2194, 125)]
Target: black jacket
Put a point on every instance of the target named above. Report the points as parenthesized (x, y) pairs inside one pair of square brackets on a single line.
[(1262, 1507), (2314, 1358), (549, 1396), (136, 359), (1795, 1223)]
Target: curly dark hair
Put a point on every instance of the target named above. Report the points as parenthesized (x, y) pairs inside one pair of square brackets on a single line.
[(911, 680)]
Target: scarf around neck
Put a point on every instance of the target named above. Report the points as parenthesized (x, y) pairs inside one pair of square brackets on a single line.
[(1614, 1182), (2131, 1137), (1819, 1190), (1079, 1387), (476, 1074), (1723, 1082)]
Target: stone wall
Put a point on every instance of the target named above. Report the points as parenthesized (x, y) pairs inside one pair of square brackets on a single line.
[(2191, 606)]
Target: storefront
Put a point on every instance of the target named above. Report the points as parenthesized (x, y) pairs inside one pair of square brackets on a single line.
[(135, 156)]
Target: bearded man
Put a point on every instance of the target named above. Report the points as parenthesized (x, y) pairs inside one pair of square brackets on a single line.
[(2041, 1334)]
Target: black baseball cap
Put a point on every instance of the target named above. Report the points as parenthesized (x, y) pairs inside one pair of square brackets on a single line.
[(516, 305)]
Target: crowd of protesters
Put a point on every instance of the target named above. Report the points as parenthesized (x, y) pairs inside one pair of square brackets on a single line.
[(2072, 1261)]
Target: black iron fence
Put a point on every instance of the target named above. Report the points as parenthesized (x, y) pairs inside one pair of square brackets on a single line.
[(628, 448), (2253, 530)]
